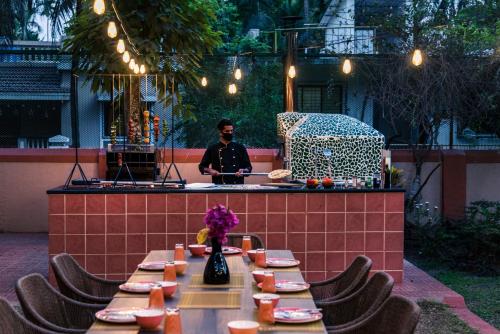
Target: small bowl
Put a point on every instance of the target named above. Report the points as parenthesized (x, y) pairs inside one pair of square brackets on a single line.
[(251, 254), (258, 275), (149, 318), (180, 267), (258, 296), (243, 327), (168, 288), (197, 250)]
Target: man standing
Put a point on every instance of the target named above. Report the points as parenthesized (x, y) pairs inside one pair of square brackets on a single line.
[(226, 157)]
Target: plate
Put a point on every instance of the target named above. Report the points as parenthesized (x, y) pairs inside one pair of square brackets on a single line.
[(296, 315), (118, 315), (226, 250), (278, 262), (289, 286), (138, 287), (152, 266)]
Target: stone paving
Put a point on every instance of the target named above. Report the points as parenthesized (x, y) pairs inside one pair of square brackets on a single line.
[(24, 253)]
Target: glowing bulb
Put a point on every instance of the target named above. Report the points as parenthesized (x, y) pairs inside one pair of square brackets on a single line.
[(232, 89), (416, 59), (291, 72), (131, 65), (126, 57), (99, 7), (120, 47), (204, 82), (112, 29), (237, 74), (136, 69), (347, 67), (142, 69)]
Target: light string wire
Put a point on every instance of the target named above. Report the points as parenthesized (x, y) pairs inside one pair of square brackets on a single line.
[(136, 51)]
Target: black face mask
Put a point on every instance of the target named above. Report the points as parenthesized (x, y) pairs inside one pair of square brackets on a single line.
[(227, 136)]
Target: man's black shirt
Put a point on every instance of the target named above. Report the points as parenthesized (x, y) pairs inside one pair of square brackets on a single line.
[(226, 159)]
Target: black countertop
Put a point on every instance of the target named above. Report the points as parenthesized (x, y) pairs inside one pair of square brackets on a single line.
[(227, 189)]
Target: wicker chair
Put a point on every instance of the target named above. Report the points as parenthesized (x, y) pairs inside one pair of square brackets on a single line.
[(48, 308), (236, 239), (397, 315), (357, 306), (13, 322), (344, 283), (76, 283)]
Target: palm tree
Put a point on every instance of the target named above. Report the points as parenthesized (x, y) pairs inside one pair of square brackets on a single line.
[(17, 19)]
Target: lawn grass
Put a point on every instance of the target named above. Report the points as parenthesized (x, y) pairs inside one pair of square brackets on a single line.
[(436, 318), (481, 293)]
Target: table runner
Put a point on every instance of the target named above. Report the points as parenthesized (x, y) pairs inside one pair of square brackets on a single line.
[(237, 281), (210, 299)]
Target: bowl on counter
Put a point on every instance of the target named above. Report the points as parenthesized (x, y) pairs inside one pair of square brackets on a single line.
[(243, 327), (259, 296), (251, 254), (197, 250), (149, 318)]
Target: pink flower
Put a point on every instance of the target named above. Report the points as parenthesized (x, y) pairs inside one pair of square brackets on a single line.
[(220, 221)]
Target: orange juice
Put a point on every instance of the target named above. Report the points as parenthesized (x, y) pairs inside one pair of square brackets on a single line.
[(269, 284), (260, 258), (179, 252), (266, 311), (173, 323), (156, 299), (169, 272), (246, 245)]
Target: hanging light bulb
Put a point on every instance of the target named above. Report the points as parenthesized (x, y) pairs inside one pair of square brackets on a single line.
[(142, 69), (131, 65), (112, 32), (136, 69), (120, 47), (126, 57), (99, 7), (232, 89), (416, 59), (291, 72), (347, 67), (204, 82), (237, 74)]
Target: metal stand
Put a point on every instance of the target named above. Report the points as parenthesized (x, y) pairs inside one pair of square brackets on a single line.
[(172, 156), (124, 164)]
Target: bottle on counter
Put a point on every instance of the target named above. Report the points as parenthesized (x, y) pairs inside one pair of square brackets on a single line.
[(369, 182), (376, 181), (387, 177)]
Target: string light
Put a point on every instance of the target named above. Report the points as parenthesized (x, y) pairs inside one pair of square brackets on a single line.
[(120, 46), (232, 89), (131, 65), (237, 74), (112, 32), (136, 69), (204, 82), (142, 69), (291, 72), (126, 57), (347, 67), (99, 7), (416, 59)]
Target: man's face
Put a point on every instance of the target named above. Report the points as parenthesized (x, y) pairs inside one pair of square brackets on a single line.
[(227, 129)]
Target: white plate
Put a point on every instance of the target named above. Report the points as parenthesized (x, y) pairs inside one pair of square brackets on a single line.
[(226, 250), (138, 287), (152, 266), (289, 286), (122, 315), (278, 262), (296, 315)]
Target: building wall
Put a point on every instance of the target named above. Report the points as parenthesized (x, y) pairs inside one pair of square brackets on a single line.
[(483, 182)]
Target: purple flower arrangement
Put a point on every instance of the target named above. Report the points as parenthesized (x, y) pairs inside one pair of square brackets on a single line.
[(220, 220)]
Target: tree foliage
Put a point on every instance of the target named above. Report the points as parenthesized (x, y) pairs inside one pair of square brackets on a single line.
[(17, 19)]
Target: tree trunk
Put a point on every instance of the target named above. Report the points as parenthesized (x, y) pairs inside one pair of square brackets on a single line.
[(133, 108), (306, 11)]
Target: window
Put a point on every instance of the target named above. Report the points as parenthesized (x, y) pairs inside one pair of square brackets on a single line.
[(320, 99)]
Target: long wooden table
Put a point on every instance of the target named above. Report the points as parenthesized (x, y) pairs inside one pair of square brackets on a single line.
[(205, 320)]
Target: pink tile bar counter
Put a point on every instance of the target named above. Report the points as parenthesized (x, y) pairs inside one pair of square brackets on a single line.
[(110, 231)]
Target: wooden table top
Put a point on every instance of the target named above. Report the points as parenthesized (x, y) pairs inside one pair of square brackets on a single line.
[(202, 321)]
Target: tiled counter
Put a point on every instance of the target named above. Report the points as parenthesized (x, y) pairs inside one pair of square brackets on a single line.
[(110, 232)]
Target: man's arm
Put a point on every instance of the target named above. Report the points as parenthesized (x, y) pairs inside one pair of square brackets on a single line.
[(206, 161), (246, 165)]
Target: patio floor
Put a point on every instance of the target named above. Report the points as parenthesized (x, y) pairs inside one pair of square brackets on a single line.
[(24, 253)]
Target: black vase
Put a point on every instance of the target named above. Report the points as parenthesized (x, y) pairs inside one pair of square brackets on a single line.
[(216, 270)]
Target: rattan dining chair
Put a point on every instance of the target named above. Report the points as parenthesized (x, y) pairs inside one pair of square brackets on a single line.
[(344, 283), (397, 315), (48, 308), (359, 305), (236, 239), (13, 322), (78, 284)]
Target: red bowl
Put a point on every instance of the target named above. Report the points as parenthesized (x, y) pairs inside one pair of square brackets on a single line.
[(168, 288), (180, 267), (258, 296), (251, 254), (197, 250), (149, 318), (243, 327), (258, 275)]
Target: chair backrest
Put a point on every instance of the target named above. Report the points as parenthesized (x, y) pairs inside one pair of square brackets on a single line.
[(236, 239), (12, 322), (353, 277), (41, 303), (70, 276)]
